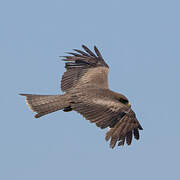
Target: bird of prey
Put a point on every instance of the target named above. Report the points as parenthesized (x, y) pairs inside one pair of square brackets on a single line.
[(85, 84)]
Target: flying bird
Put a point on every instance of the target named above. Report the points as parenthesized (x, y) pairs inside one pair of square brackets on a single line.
[(85, 84)]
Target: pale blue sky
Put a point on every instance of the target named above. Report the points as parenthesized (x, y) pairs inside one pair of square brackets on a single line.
[(140, 40)]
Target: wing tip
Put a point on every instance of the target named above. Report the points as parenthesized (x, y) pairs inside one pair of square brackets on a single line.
[(140, 127), (21, 94)]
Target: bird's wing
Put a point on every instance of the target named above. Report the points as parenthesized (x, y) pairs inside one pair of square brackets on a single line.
[(124, 129), (84, 69), (110, 113)]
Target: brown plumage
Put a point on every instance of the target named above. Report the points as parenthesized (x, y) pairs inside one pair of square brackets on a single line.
[(85, 84)]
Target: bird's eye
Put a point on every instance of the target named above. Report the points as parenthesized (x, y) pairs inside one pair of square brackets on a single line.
[(124, 101)]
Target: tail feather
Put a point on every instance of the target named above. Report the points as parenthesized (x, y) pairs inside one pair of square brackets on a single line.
[(45, 104)]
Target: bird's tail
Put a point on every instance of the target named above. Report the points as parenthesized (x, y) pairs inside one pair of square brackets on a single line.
[(45, 104)]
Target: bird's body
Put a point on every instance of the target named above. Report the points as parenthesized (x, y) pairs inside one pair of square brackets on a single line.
[(85, 84)]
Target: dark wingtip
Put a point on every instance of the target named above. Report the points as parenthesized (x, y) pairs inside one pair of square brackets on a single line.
[(22, 94), (37, 116), (81, 52), (83, 46), (136, 134), (88, 50), (74, 54), (97, 52), (140, 127)]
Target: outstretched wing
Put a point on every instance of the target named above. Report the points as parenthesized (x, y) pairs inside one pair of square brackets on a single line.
[(124, 129), (105, 112), (83, 69)]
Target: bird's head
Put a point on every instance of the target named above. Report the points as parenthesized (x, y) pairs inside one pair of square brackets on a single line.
[(124, 100)]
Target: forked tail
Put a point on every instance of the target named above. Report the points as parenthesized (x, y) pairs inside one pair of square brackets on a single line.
[(45, 104)]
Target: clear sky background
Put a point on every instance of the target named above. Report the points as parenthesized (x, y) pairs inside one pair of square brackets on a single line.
[(140, 40)]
